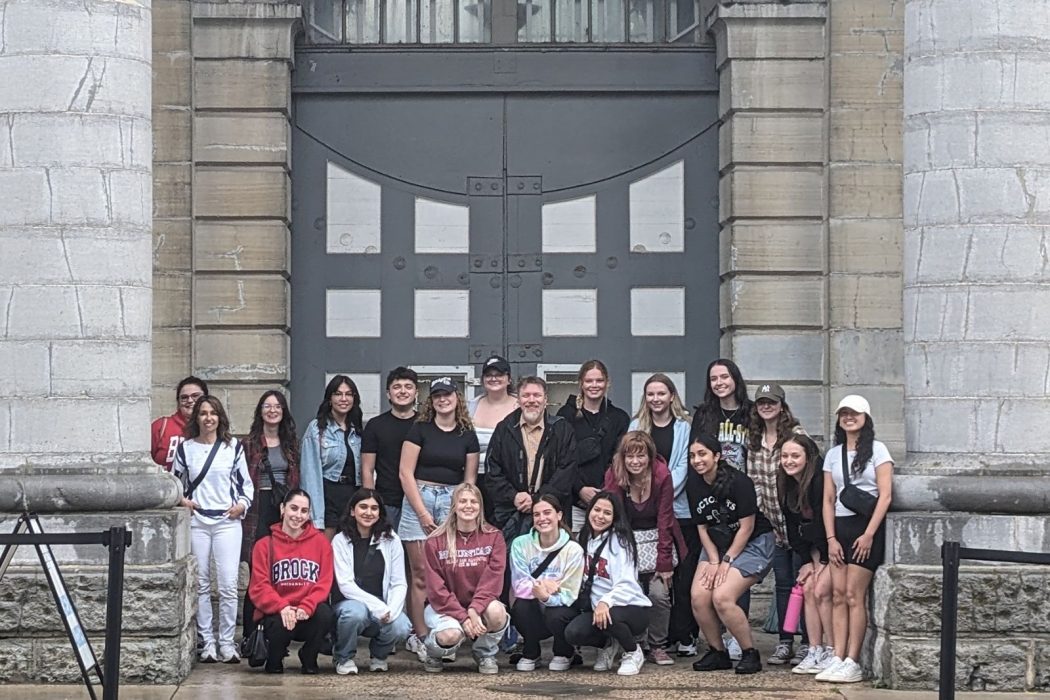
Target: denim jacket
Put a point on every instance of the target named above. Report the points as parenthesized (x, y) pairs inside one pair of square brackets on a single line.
[(316, 465)]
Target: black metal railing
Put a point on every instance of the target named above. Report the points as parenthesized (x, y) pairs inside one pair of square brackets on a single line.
[(117, 540), (951, 554)]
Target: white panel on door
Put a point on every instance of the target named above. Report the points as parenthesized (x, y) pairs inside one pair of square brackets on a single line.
[(638, 384), (353, 213), (658, 311), (352, 313), (368, 385), (442, 313), (441, 227), (657, 211), (568, 227), (570, 312)]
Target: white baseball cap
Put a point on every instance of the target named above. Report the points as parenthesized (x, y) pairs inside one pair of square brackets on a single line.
[(855, 403)]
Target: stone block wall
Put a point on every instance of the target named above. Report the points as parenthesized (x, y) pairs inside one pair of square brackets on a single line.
[(866, 345)]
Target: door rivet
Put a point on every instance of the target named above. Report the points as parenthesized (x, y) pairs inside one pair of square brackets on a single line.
[(494, 264), (579, 271), (477, 187), (536, 186), (495, 186), (521, 263), (494, 282), (464, 279), (430, 272), (521, 185), (521, 353), (477, 262), (548, 279), (399, 263), (690, 223), (515, 281), (611, 263)]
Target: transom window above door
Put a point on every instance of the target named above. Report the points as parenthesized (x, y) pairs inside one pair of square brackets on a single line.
[(437, 22)]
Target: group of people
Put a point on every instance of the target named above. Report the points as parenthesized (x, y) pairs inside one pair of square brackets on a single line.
[(491, 520)]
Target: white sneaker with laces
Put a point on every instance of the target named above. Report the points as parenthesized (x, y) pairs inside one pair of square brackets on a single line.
[(809, 663), (228, 654), (526, 664), (488, 665), (831, 664), (208, 653), (781, 655), (378, 665), (346, 668), (604, 659), (732, 646), (849, 671), (560, 663), (415, 645), (631, 662)]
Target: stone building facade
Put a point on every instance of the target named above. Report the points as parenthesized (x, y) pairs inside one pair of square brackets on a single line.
[(882, 209)]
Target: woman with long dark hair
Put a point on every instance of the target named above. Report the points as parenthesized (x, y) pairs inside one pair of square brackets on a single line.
[(856, 540), (800, 484), (272, 451), (330, 466), (216, 488), (599, 425), (440, 452), (724, 411), (290, 583), (370, 573), (770, 423), (546, 568), (639, 475), (737, 553), (611, 610)]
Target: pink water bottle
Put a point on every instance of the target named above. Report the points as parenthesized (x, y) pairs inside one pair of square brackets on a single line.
[(794, 609)]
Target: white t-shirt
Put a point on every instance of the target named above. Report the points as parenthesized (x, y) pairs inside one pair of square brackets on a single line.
[(864, 481)]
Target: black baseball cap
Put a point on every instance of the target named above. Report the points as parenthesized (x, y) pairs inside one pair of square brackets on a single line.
[(443, 385), (497, 363)]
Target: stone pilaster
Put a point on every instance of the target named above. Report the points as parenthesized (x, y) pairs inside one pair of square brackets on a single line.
[(976, 342), (75, 332), (772, 200), (242, 60)]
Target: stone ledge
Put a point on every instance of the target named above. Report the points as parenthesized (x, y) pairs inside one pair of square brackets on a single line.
[(915, 538), (47, 493)]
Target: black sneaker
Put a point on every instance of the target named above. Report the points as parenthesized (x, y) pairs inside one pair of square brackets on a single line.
[(749, 662), (713, 660)]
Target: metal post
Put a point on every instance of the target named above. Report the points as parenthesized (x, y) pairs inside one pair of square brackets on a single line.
[(949, 614), (119, 539)]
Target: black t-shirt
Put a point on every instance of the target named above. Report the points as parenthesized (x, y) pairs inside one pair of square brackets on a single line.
[(664, 439), (369, 568), (739, 502), (442, 455), (383, 437)]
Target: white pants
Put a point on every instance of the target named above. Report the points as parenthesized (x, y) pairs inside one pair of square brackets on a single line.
[(221, 540)]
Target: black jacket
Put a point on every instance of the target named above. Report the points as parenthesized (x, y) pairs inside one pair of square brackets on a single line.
[(805, 535), (608, 426), (505, 464)]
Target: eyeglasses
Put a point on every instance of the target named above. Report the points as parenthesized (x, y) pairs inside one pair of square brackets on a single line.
[(271, 407), (190, 398)]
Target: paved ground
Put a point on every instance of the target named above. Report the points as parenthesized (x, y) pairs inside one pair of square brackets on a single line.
[(406, 680)]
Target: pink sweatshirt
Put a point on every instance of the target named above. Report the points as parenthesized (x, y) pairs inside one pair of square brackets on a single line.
[(477, 577)]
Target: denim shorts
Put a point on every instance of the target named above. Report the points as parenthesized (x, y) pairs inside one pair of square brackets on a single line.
[(756, 559), (437, 500)]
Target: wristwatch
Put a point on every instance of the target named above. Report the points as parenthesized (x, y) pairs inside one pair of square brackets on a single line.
[(727, 559)]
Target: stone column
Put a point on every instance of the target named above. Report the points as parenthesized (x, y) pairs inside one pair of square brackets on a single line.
[(976, 341), (75, 290)]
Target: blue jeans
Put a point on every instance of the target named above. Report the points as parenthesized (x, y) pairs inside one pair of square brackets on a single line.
[(786, 564), (437, 500), (353, 620)]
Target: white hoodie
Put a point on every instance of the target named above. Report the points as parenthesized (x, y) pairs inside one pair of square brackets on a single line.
[(616, 576), (395, 586)]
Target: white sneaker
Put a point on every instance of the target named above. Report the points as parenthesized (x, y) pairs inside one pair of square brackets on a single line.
[(849, 671), (809, 662), (208, 653), (631, 662), (228, 654), (346, 668), (378, 665), (830, 665), (415, 645), (560, 663), (488, 665), (686, 649), (604, 659), (732, 646), (526, 664)]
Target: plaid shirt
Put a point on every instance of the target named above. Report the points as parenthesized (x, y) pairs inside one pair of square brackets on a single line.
[(762, 466)]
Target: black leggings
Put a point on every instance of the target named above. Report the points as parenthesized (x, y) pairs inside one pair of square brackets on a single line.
[(311, 632), (683, 628), (577, 628), (530, 619), (267, 516)]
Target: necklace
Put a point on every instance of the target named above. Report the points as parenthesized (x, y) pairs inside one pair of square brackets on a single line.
[(642, 490), (729, 415)]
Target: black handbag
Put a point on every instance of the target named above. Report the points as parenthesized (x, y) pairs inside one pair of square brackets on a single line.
[(856, 499), (255, 647)]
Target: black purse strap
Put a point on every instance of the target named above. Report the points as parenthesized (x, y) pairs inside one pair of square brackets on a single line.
[(845, 467), (546, 562), (266, 464), (271, 559), (588, 580), (204, 471)]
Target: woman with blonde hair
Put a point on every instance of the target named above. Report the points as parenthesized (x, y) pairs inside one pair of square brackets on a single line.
[(464, 567), (662, 415), (599, 425), (439, 452)]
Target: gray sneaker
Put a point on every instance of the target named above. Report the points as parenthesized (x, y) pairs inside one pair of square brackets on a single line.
[(433, 665), (378, 665), (488, 665), (781, 655), (800, 653)]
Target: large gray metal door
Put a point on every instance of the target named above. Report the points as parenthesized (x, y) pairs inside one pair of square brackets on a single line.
[(544, 222)]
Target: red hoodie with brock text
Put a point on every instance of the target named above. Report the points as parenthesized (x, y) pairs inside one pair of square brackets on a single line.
[(477, 578), (165, 435), (299, 573)]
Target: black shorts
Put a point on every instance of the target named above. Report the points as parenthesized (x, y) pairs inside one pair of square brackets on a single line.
[(849, 528), (336, 496)]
